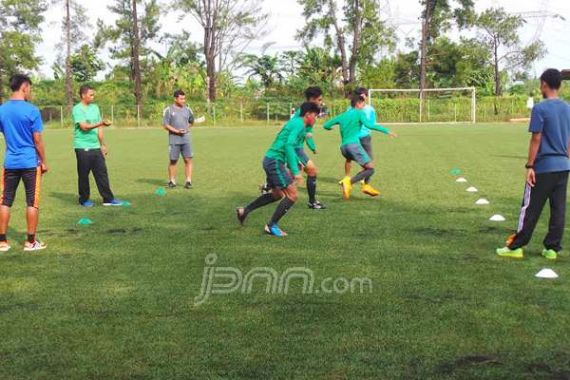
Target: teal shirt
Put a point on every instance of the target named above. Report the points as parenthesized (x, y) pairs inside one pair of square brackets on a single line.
[(371, 115), (351, 123), (86, 114), (283, 147), (309, 136)]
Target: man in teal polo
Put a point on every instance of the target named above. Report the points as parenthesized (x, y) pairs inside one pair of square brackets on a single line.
[(90, 149)]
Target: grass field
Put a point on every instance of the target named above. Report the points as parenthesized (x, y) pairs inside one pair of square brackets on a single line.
[(115, 300)]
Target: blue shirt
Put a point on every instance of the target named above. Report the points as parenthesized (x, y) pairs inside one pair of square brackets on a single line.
[(552, 119), (18, 122), (370, 113)]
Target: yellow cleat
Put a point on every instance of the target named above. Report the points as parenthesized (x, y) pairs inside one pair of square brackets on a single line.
[(369, 190), (346, 187)]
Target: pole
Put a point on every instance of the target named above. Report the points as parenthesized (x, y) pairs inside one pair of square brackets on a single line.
[(138, 115), (61, 116), (421, 104), (474, 106), (112, 114), (267, 113), (214, 113), (455, 111), (241, 111)]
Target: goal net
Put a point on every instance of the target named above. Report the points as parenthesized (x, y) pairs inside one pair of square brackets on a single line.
[(434, 105)]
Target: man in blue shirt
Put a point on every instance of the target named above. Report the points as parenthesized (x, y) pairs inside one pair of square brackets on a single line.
[(25, 159), (547, 171)]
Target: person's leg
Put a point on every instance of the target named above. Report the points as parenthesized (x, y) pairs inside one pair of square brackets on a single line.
[(10, 181), (553, 239), (32, 182), (532, 205), (366, 172), (102, 176), (83, 169), (366, 143), (174, 154), (347, 168), (188, 169), (311, 171), (285, 205)]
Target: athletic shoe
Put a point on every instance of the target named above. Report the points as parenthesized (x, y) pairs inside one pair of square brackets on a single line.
[(510, 253), (369, 190), (188, 185), (241, 215), (316, 205), (171, 185), (346, 187), (4, 246), (114, 202), (35, 246), (274, 230), (264, 188), (87, 203), (549, 254)]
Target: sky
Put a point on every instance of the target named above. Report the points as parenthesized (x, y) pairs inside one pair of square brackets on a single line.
[(286, 19)]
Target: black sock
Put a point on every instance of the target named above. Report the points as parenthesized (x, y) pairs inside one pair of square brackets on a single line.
[(281, 210), (366, 173), (3, 237), (263, 200), (312, 188), (31, 238)]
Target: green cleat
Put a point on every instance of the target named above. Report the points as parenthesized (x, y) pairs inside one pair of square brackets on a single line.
[(511, 253), (549, 254)]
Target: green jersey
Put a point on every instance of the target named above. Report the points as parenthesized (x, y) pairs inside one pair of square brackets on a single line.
[(309, 136), (283, 148), (351, 122), (86, 114)]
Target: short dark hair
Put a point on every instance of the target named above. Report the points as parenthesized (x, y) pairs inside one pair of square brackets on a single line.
[(313, 92), (553, 78), (84, 90), (361, 91), (356, 98), (309, 107), (178, 93), (17, 80)]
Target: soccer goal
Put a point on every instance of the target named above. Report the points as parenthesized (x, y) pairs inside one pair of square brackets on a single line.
[(434, 105)]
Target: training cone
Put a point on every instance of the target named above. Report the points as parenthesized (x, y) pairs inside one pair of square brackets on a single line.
[(455, 171), (471, 189), (84, 222), (461, 180), (126, 204), (497, 218), (546, 273), (482, 202), (160, 192)]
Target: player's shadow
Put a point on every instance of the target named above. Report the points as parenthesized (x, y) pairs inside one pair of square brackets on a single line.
[(328, 179), (65, 197), (512, 157), (151, 181)]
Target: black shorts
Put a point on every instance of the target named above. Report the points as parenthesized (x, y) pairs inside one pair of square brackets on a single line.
[(366, 143), (355, 152), (32, 179), (278, 176)]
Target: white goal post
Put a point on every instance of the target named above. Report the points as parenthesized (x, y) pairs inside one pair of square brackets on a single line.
[(430, 106)]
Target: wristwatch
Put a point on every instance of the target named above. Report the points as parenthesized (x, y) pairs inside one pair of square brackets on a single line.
[(529, 166)]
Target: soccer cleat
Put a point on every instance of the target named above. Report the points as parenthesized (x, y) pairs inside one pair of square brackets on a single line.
[(549, 254), (274, 230), (316, 205), (510, 253), (171, 185), (264, 188), (35, 246), (369, 190), (88, 203), (346, 187), (4, 246), (114, 202), (241, 215), (188, 185)]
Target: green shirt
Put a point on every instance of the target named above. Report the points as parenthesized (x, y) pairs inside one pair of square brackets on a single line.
[(283, 148), (351, 123), (86, 114), (309, 136)]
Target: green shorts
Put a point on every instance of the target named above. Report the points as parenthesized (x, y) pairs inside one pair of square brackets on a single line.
[(278, 176), (355, 152)]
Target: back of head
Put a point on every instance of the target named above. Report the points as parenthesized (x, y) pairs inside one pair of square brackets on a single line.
[(361, 91), (313, 93), (18, 80), (309, 107), (84, 89), (356, 98), (552, 78)]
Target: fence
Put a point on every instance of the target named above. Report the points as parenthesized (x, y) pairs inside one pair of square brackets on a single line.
[(260, 112)]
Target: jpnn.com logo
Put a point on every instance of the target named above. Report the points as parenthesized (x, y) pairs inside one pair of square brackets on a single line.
[(228, 280)]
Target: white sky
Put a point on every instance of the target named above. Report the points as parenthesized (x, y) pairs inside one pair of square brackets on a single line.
[(285, 19)]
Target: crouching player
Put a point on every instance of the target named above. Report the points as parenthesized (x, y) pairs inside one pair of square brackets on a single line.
[(281, 164), (351, 123)]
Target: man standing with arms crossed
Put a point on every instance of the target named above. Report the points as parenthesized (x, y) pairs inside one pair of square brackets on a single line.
[(177, 120), (25, 159), (547, 171)]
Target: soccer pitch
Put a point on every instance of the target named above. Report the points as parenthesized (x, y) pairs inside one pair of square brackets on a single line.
[(116, 299)]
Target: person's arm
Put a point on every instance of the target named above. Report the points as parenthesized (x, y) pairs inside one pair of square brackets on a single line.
[(190, 119), (310, 141), (332, 122), (84, 126), (377, 127), (101, 137), (37, 129), (166, 122), (536, 127), (290, 153)]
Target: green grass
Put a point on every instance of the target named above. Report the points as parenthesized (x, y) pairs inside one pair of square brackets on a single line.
[(115, 300)]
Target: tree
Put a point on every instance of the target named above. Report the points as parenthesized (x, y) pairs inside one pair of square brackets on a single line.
[(130, 36), (358, 23), (19, 34), (499, 33), (229, 26), (265, 67), (85, 64)]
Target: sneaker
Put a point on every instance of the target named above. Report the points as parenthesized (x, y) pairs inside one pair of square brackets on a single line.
[(369, 190), (549, 254), (316, 205), (87, 203), (4, 246), (188, 185), (346, 187), (171, 185), (274, 230), (114, 202), (241, 215), (264, 188), (35, 246), (510, 253)]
